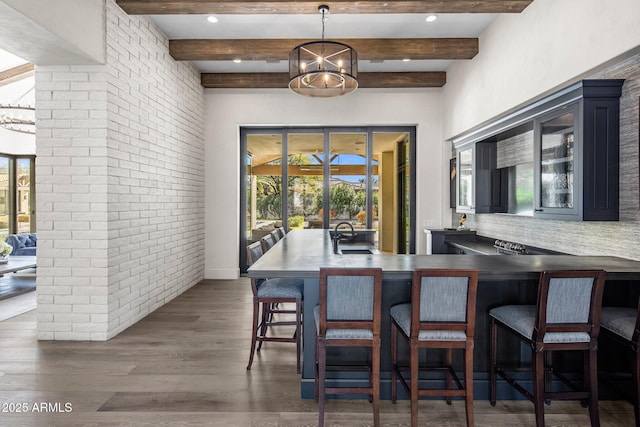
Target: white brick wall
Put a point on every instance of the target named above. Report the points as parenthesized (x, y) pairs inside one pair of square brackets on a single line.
[(120, 187)]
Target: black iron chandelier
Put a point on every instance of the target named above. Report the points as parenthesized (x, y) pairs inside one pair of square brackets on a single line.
[(323, 68)]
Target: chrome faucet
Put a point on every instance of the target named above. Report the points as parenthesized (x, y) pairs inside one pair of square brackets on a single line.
[(337, 236)]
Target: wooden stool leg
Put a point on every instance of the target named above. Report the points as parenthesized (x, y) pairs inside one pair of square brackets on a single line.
[(370, 373), (449, 362), (317, 376), (468, 383), (636, 388), (414, 384), (322, 364), (538, 386), (591, 366), (266, 312), (254, 330), (298, 333), (492, 368), (375, 362), (394, 362), (548, 374)]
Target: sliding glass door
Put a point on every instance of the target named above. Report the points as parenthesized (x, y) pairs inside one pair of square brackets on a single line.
[(305, 179), (359, 175)]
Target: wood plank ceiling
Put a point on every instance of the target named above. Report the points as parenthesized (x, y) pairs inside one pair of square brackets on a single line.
[(375, 49)]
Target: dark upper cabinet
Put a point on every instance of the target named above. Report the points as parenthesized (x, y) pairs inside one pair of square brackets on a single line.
[(572, 137), (576, 154)]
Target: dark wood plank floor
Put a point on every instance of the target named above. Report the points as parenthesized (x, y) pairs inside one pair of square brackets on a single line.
[(184, 365)]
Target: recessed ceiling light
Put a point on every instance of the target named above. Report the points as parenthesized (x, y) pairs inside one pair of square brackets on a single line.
[(406, 59), (237, 60), (431, 18), (212, 19)]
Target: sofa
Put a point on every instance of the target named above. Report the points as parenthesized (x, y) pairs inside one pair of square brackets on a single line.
[(23, 244)]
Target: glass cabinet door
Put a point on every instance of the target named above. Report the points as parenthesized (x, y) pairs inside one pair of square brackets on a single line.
[(465, 180), (557, 163)]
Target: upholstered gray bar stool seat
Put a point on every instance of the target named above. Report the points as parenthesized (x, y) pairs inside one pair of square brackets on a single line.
[(566, 317), (364, 334), (401, 315), (522, 318), (619, 320), (624, 323), (270, 293), (281, 288)]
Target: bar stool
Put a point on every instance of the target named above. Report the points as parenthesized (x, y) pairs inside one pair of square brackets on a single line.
[(624, 323), (566, 318), (270, 292), (267, 242), (348, 315), (441, 315)]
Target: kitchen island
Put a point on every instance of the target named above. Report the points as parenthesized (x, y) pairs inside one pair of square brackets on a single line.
[(502, 280)]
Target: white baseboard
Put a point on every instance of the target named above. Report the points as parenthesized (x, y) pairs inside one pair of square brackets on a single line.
[(222, 274)]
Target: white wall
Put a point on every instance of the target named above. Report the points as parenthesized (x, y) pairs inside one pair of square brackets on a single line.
[(227, 110), (525, 55)]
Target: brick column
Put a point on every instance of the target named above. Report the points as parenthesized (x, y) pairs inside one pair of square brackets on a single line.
[(120, 184)]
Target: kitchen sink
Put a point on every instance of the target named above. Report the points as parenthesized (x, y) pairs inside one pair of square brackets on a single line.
[(355, 251)]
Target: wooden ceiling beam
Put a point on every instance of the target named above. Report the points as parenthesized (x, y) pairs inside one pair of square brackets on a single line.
[(245, 7), (278, 49), (16, 73), (281, 80)]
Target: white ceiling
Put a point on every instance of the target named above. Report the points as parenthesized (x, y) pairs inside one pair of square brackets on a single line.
[(9, 60), (310, 27)]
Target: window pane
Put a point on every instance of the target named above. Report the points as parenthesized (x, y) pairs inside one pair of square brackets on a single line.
[(305, 170), (23, 191), (348, 185), (264, 184), (4, 196)]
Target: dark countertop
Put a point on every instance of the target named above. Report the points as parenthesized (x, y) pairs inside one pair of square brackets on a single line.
[(301, 253), (475, 247)]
